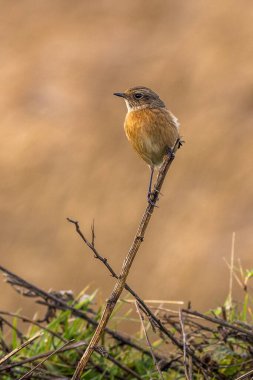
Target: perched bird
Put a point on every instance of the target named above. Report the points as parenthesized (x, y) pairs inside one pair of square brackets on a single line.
[(150, 127)]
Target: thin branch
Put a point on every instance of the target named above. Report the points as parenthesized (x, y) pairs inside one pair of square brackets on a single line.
[(67, 347), (31, 321), (148, 341), (123, 339), (43, 361), (147, 310), (144, 306), (219, 321), (42, 355), (93, 236), (121, 281), (188, 374), (58, 303), (19, 333), (245, 375), (13, 352), (129, 371)]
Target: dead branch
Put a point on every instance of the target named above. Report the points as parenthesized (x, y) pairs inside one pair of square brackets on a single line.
[(25, 376), (220, 322), (203, 341), (143, 305), (13, 352), (42, 355), (147, 310), (120, 283), (66, 347), (19, 333), (129, 371), (245, 375), (35, 323), (53, 301)]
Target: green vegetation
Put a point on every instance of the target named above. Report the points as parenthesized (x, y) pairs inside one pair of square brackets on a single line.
[(215, 345)]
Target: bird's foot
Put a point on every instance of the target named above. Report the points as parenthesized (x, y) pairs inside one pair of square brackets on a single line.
[(152, 198)]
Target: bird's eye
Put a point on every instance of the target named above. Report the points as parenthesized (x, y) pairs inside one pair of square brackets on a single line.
[(138, 95)]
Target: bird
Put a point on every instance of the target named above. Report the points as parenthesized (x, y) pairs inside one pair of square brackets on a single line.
[(150, 127)]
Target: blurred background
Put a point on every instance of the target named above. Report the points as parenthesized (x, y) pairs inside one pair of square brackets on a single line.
[(64, 153)]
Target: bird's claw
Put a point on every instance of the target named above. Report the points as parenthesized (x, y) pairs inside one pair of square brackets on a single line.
[(152, 198)]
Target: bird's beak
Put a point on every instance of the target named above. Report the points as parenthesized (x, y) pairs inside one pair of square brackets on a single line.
[(120, 94)]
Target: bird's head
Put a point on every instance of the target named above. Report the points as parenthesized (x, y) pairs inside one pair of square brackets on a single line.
[(140, 97)]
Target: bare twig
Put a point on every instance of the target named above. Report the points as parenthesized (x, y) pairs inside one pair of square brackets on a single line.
[(58, 303), (148, 341), (120, 283), (13, 352), (17, 331), (25, 376), (245, 375), (142, 303), (188, 374), (119, 364), (147, 310), (42, 355), (67, 347), (93, 236), (35, 323), (202, 336), (221, 322)]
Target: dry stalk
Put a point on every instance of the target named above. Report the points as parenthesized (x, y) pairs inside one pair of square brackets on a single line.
[(51, 300), (219, 321), (142, 304), (188, 374), (230, 298), (120, 284), (148, 341), (27, 374), (245, 375), (31, 359), (13, 352), (67, 347), (32, 322)]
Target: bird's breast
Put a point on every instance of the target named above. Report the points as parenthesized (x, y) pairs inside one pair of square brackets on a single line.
[(151, 132)]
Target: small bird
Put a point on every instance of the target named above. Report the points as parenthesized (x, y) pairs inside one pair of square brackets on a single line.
[(150, 127)]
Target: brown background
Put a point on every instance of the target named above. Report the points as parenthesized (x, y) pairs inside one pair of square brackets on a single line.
[(64, 153)]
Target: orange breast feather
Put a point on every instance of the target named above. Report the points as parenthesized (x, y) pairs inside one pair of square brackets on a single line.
[(151, 131)]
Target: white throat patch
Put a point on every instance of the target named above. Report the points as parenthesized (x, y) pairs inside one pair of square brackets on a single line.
[(135, 108)]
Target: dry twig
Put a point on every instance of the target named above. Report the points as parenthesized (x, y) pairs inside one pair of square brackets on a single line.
[(221, 322), (120, 283), (13, 352), (51, 300), (142, 304), (187, 369), (148, 341), (245, 375), (25, 376), (35, 323)]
